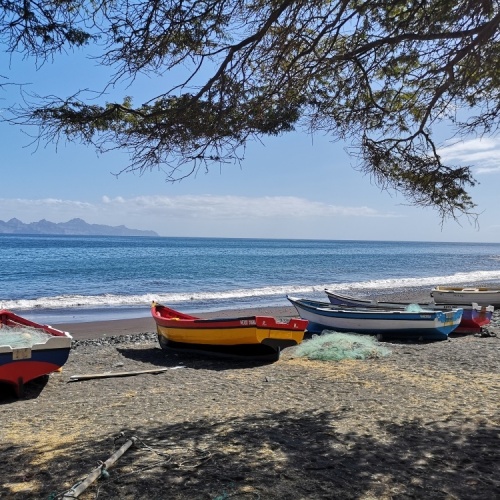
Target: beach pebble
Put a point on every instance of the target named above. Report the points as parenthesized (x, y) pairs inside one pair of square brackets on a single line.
[(142, 338)]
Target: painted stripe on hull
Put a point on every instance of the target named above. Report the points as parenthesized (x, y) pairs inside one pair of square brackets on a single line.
[(230, 336), (378, 326), (396, 334)]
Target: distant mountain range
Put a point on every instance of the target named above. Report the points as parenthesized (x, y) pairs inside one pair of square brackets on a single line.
[(76, 227)]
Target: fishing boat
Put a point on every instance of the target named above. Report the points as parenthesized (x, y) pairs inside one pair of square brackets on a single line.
[(473, 319), (255, 337), (384, 323), (29, 350), (466, 295)]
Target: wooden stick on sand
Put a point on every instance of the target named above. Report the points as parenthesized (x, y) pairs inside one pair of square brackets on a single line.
[(75, 492), (89, 376)]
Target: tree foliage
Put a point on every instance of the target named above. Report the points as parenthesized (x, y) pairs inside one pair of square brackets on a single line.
[(39, 29), (376, 73)]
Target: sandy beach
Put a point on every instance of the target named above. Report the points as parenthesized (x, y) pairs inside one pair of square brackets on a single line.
[(422, 422)]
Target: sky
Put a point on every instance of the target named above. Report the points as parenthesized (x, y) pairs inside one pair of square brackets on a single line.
[(292, 186)]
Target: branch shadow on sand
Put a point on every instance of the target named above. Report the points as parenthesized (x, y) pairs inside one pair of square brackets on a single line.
[(284, 455)]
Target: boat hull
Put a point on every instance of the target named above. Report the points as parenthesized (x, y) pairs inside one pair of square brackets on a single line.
[(458, 295), (426, 324), (252, 336), (20, 365), (474, 315)]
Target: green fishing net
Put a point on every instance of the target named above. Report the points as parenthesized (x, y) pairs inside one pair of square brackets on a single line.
[(334, 346), (22, 336)]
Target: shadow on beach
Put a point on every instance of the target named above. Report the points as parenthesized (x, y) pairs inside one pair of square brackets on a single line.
[(32, 390), (198, 361), (277, 455)]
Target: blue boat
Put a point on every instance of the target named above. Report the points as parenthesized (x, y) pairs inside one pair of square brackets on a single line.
[(384, 323)]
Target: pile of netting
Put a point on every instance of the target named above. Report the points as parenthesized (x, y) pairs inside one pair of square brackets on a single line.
[(334, 346), (22, 336)]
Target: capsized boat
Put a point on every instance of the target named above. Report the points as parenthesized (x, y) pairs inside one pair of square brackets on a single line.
[(474, 316), (255, 337), (466, 295), (384, 323), (29, 350)]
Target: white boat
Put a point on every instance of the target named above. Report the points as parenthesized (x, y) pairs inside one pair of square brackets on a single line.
[(425, 324), (466, 295), (474, 316)]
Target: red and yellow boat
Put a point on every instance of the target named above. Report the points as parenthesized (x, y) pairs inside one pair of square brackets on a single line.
[(29, 350), (254, 337)]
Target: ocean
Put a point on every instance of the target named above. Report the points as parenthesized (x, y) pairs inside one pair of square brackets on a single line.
[(60, 279)]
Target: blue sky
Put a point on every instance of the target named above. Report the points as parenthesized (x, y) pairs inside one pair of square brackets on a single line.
[(294, 186)]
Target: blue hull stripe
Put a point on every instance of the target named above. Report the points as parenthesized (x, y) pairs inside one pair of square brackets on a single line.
[(53, 356)]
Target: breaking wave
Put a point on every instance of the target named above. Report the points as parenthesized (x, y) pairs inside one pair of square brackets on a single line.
[(268, 295)]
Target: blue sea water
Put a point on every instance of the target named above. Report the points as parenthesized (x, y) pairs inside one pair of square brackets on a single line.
[(55, 279)]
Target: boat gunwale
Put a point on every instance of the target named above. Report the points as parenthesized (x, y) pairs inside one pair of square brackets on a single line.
[(58, 339), (369, 303), (364, 313), (252, 321)]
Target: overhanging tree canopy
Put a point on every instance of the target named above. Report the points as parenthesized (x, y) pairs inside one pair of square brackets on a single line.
[(376, 73)]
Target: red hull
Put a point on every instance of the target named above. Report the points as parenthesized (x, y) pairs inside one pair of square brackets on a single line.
[(473, 322)]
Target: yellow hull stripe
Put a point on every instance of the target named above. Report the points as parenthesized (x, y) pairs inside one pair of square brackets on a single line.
[(229, 336)]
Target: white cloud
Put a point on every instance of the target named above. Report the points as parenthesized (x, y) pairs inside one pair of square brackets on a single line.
[(235, 207), (119, 210), (49, 202), (482, 153)]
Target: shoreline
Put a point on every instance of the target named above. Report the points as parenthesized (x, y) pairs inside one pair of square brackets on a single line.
[(93, 323), (119, 327)]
